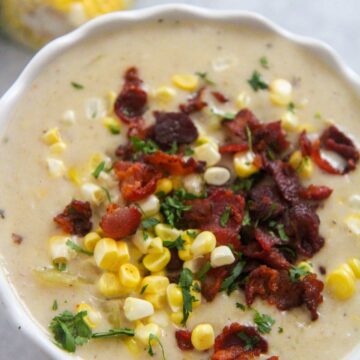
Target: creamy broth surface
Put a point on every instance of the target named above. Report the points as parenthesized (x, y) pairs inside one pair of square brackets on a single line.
[(30, 198)]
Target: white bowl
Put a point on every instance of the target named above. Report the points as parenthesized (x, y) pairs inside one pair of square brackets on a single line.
[(115, 21)]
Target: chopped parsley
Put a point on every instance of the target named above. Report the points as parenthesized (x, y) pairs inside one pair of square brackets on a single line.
[(71, 330), (55, 305), (185, 283), (77, 248), (264, 62), (224, 115), (204, 76), (143, 289), (280, 330), (59, 266), (188, 151), (115, 130), (192, 233), (203, 271), (152, 338), (249, 137), (174, 149), (256, 82), (297, 272), (225, 216), (146, 147), (176, 244), (281, 231), (229, 283), (263, 322), (249, 341), (291, 107), (149, 223), (101, 167), (246, 220), (77, 86), (240, 306), (242, 184), (173, 206)]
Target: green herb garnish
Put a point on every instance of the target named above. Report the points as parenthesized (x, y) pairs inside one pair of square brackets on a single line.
[(297, 272), (174, 149), (149, 223), (200, 275), (185, 283), (204, 76), (176, 244), (264, 62), (150, 348), (59, 266), (256, 82), (78, 248), (115, 130), (225, 216), (229, 283), (280, 330), (249, 341), (246, 220), (249, 137), (55, 305), (263, 322), (281, 231), (188, 151), (143, 289), (224, 115), (96, 173), (291, 107), (77, 86), (113, 333), (146, 147), (107, 193), (240, 306)]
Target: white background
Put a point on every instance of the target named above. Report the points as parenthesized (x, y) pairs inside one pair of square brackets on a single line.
[(335, 21)]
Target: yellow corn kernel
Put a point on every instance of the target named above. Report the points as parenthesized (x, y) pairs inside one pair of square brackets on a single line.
[(309, 128), (129, 276), (341, 283), (123, 250), (244, 164), (204, 243), (74, 176), (195, 292), (52, 136), (149, 206), (157, 262), (112, 124), (188, 82), (154, 284), (174, 297), (164, 94), (90, 241), (354, 264), (160, 318), (280, 92), (157, 300), (202, 337), (58, 147), (178, 317), (92, 317), (111, 98), (156, 246), (302, 164), (133, 345), (166, 232), (185, 254), (243, 100), (106, 254), (164, 186), (109, 285), (143, 332), (177, 182), (289, 121)]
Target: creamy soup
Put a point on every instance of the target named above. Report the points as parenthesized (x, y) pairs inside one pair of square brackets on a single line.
[(71, 94)]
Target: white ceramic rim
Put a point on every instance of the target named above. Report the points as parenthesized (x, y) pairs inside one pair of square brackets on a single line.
[(15, 308)]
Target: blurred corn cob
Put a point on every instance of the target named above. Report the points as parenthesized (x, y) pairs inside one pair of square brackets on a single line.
[(35, 22)]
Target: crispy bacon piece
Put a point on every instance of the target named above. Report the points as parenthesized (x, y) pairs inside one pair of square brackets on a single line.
[(317, 193), (173, 164), (304, 226), (321, 162), (183, 339), (305, 144), (266, 241), (76, 218), (130, 105), (195, 103), (264, 136), (172, 127), (233, 148), (231, 345), (277, 289), (119, 222), (213, 280), (205, 214), (137, 180), (273, 358), (220, 97)]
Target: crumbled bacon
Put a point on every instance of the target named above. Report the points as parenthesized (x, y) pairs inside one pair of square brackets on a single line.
[(183, 339), (266, 240), (321, 162), (233, 148), (76, 218), (172, 127), (137, 180), (278, 289), (195, 103), (220, 97), (212, 282), (130, 105), (230, 345), (305, 144), (313, 192), (173, 164), (119, 222)]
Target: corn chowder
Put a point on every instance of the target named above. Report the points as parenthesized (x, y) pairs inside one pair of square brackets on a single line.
[(191, 197)]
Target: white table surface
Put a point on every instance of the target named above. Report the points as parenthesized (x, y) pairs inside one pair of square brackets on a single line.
[(335, 21)]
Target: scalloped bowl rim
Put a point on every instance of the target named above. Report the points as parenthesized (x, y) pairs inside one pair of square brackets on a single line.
[(16, 309)]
